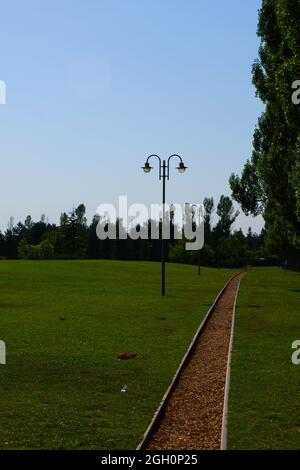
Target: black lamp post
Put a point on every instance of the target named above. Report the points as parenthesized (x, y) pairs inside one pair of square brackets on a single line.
[(193, 213), (164, 174)]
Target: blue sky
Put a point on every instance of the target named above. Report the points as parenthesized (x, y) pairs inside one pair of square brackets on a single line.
[(95, 86)]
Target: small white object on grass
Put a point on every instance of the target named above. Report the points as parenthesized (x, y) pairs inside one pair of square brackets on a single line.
[(124, 389)]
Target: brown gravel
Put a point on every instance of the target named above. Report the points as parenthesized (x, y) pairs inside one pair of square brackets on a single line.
[(193, 415)]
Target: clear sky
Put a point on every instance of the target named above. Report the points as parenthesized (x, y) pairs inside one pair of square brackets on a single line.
[(94, 86)]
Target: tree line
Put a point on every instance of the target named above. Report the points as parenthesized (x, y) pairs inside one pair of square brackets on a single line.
[(74, 238)]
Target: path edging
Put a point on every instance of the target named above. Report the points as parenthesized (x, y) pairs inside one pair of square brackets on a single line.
[(228, 375), (159, 411)]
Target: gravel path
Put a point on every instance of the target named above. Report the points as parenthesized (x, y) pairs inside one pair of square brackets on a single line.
[(193, 416)]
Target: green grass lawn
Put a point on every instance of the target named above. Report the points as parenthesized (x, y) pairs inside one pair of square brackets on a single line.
[(265, 385), (65, 322)]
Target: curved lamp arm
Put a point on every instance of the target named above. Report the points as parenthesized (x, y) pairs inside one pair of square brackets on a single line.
[(147, 168), (181, 168), (174, 155), (164, 169), (153, 155)]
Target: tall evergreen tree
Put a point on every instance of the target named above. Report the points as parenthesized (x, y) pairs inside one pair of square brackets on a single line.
[(227, 216), (269, 183)]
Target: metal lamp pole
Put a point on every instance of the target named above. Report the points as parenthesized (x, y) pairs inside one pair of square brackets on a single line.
[(164, 174), (195, 205)]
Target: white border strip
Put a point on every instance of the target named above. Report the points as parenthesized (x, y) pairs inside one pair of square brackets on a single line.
[(228, 374)]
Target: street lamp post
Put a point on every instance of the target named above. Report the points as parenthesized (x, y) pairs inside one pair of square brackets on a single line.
[(164, 174), (193, 213)]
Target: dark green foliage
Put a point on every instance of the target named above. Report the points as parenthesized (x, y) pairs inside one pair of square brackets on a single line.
[(75, 239), (232, 251), (43, 250), (227, 215), (269, 183)]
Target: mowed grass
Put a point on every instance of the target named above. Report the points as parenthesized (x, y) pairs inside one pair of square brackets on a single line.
[(265, 385), (64, 324)]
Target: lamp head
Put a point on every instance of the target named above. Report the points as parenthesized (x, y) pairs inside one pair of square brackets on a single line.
[(181, 168), (147, 168)]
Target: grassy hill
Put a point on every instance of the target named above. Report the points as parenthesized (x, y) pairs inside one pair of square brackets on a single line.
[(66, 322)]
